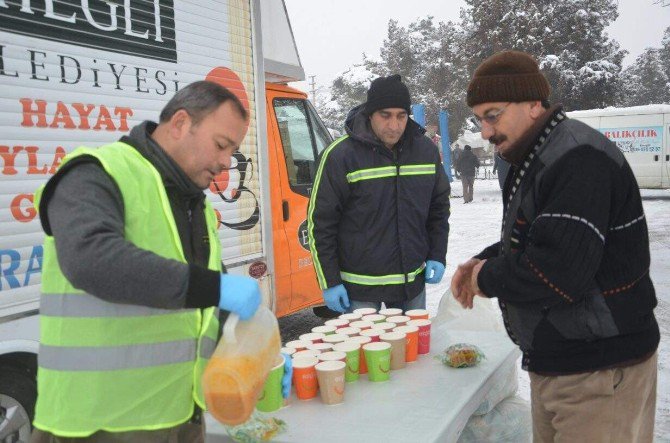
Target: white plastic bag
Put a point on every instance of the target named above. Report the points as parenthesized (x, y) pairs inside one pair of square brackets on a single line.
[(509, 422), (484, 316)]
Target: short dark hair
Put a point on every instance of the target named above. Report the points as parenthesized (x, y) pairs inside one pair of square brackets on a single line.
[(199, 99)]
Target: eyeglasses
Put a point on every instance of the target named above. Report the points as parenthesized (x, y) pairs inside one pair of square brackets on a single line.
[(492, 118)]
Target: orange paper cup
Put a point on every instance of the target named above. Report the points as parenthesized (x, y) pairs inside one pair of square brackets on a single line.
[(412, 349), (304, 377)]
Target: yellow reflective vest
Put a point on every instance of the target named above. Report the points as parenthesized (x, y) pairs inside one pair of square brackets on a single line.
[(119, 367)]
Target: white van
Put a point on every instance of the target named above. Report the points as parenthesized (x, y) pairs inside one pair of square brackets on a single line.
[(643, 135)]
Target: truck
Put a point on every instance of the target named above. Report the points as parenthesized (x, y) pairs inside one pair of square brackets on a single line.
[(642, 133), (84, 73)]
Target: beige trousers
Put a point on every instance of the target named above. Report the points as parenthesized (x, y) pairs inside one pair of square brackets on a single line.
[(184, 433), (612, 405)]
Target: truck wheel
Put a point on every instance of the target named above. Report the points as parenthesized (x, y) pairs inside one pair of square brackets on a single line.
[(18, 394)]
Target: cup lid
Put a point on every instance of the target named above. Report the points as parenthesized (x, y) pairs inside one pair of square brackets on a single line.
[(419, 322), (351, 316), (330, 365), (336, 322), (406, 329), (362, 339), (383, 325), (398, 319), (347, 346), (365, 311), (307, 353), (391, 336), (373, 317), (389, 312), (372, 332), (289, 351), (361, 324), (325, 329), (297, 344), (349, 331), (335, 338), (376, 346), (312, 336), (305, 362), (416, 312), (320, 346), (332, 355)]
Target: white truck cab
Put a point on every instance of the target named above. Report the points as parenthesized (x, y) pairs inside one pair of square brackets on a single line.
[(643, 135)]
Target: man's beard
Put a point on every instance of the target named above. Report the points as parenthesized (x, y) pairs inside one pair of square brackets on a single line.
[(496, 140)]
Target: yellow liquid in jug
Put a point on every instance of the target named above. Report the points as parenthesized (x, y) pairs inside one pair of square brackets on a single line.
[(231, 401)]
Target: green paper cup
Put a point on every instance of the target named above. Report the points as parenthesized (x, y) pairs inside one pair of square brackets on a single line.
[(352, 350), (378, 360), (271, 398)]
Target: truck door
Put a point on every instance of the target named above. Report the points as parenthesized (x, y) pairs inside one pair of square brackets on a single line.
[(299, 138)]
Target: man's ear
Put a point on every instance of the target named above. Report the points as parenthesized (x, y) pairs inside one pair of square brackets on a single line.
[(536, 109), (179, 124)]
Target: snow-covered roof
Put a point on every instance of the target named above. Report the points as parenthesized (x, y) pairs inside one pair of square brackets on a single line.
[(633, 110)]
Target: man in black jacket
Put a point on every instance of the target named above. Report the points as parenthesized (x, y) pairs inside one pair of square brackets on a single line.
[(571, 272), (467, 166), (378, 215)]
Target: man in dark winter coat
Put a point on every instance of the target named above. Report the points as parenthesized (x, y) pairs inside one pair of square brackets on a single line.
[(502, 167), (467, 166), (571, 272), (378, 215)]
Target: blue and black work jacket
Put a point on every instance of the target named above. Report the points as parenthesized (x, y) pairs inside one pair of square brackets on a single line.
[(377, 214)]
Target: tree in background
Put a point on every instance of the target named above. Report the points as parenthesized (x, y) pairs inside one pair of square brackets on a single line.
[(647, 81), (582, 62)]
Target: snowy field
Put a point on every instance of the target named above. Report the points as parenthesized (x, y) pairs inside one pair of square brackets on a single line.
[(477, 224)]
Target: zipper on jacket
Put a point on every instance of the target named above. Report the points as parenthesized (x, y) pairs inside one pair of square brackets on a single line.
[(397, 218)]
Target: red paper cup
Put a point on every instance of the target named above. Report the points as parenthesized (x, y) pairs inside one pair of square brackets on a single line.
[(372, 333), (424, 334)]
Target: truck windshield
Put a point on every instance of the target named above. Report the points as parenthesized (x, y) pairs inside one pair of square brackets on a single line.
[(303, 137)]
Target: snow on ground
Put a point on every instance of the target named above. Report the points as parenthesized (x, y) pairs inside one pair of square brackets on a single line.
[(476, 225)]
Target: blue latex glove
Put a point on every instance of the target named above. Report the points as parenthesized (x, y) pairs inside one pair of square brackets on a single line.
[(336, 298), (239, 295), (288, 375), (434, 271)]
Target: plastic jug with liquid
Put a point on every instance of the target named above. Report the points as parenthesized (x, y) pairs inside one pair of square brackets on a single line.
[(236, 373)]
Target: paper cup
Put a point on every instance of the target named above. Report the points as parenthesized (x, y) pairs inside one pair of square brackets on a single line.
[(304, 377), (424, 334), (306, 353), (365, 311), (417, 314), (372, 333), (351, 316), (378, 359), (384, 326), (361, 324), (327, 330), (353, 353), (335, 338), (349, 331), (362, 366), (298, 345), (374, 318), (312, 337), (321, 347), (390, 312), (288, 351), (399, 320), (398, 341), (412, 347), (331, 381), (337, 322), (271, 398), (332, 356)]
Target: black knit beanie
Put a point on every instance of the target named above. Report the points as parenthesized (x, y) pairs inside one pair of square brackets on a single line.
[(387, 92), (508, 76)]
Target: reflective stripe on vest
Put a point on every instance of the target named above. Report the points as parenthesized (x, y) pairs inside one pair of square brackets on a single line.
[(114, 366), (374, 280), (390, 171)]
